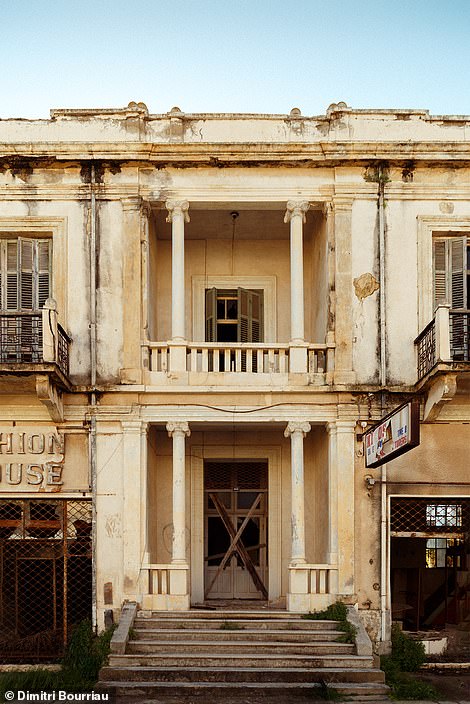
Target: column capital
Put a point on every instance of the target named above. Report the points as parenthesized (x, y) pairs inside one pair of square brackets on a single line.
[(331, 427), (346, 426), (178, 427), (342, 202), (303, 427), (177, 207), (296, 208), (134, 426)]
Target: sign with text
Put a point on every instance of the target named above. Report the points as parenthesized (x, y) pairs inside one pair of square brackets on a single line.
[(397, 433), (31, 458)]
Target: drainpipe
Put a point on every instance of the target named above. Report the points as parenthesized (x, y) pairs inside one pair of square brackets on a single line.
[(92, 444), (383, 381)]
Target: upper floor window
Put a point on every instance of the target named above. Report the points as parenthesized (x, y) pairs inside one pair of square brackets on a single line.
[(451, 268), (25, 273), (234, 315)]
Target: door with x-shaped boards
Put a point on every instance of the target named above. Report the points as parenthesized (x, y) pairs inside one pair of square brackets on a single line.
[(236, 529)]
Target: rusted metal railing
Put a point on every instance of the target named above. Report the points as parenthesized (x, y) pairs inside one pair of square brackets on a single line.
[(33, 338)]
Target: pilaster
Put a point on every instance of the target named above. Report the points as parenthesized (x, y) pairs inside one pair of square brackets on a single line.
[(343, 319), (345, 438), (135, 216), (134, 524)]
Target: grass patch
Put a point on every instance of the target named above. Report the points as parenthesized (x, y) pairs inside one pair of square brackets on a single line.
[(86, 653), (407, 656), (336, 612)]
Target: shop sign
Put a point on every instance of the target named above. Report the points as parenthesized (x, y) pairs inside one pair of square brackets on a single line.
[(31, 458), (397, 433)]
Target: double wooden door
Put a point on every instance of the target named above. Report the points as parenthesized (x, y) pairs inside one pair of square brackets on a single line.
[(236, 529)]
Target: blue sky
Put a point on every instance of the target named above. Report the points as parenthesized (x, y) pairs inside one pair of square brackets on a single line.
[(239, 56)]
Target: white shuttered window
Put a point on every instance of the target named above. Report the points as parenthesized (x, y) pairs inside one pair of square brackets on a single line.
[(450, 271), (25, 273)]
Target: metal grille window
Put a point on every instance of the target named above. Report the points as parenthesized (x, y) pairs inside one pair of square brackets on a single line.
[(428, 516), (45, 575)]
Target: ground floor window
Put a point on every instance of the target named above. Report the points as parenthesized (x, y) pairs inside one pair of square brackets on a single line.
[(45, 575), (430, 561)]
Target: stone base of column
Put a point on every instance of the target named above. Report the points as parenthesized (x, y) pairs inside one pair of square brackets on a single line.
[(298, 357), (166, 602), (177, 355)]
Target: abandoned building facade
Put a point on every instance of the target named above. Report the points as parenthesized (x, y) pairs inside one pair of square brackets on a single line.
[(200, 316)]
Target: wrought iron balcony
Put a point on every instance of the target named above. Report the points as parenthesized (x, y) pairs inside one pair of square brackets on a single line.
[(445, 340), (34, 338)]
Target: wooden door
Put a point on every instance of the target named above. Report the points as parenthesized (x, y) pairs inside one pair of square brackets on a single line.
[(236, 531)]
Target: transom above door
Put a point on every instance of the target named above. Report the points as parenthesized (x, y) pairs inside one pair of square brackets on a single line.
[(235, 529)]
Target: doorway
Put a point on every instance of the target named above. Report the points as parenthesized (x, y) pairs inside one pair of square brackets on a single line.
[(235, 529)]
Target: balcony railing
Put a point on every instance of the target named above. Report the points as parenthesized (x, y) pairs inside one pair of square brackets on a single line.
[(33, 338), (241, 357), (446, 339)]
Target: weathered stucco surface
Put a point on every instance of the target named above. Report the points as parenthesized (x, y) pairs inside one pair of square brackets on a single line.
[(252, 165)]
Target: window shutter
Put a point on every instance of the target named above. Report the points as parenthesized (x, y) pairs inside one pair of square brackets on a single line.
[(211, 315), (11, 297), (441, 292), (244, 322), (250, 316), (44, 273), (458, 260), (26, 274), (458, 280)]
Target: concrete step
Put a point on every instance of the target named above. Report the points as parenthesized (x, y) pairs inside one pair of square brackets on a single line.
[(210, 692), (224, 634), (252, 623), (240, 674), (234, 660), (233, 646), (222, 614)]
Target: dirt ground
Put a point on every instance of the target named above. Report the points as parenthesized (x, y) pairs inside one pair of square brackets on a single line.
[(453, 686)]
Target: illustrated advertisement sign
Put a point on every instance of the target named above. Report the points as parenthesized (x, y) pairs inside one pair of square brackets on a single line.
[(397, 433)]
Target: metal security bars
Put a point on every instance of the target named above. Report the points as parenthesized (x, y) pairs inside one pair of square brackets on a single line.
[(430, 516), (45, 575), (22, 340)]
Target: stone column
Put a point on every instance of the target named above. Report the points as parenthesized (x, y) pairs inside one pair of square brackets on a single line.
[(177, 215), (345, 439), (295, 215), (332, 557), (134, 523), (179, 432), (135, 213), (297, 431), (343, 318)]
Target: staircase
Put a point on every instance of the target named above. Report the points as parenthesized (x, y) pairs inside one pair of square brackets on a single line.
[(232, 656)]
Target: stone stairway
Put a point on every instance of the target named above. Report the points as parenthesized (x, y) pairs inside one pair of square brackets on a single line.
[(232, 656)]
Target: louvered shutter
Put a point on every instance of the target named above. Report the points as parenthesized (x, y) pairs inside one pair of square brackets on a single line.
[(458, 261), (43, 271), (26, 287), (458, 280), (250, 316), (450, 286), (211, 315), (441, 287), (11, 302)]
